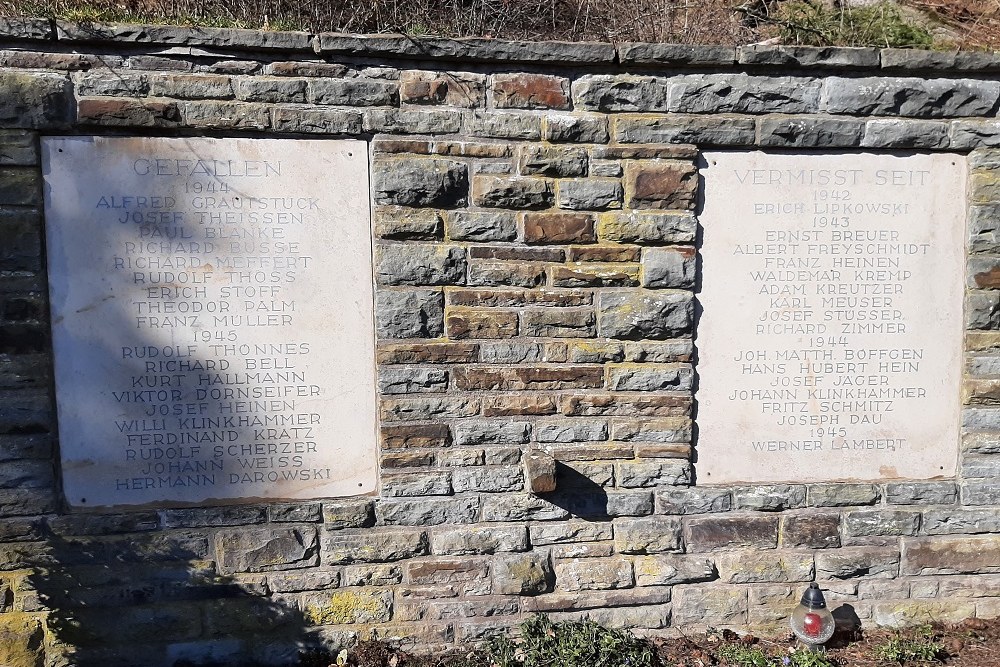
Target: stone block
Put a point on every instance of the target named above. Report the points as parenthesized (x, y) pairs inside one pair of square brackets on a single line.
[(126, 112), (742, 93), (412, 380), (539, 474), (419, 264), (814, 530), (486, 274), (681, 129), (589, 574), (554, 161), (409, 313), (842, 495), (185, 86), (262, 549), (410, 121), (422, 435), (918, 493), (481, 226), (559, 323), (648, 535), (753, 567), (710, 605), (347, 606), (591, 129), (670, 569), (530, 91), (210, 114), (909, 96), (475, 540), (551, 227), (420, 182), (469, 432), (672, 268), (769, 498), (589, 194), (693, 501), (427, 353), (511, 192), (353, 92), (401, 223), (373, 546), (956, 521), (617, 93), (462, 323), (523, 507), (726, 532), (805, 132), (951, 555), (522, 574), (900, 133), (504, 125), (648, 228), (808, 56), (421, 483), (521, 378), (643, 314), (653, 473), (460, 89), (487, 479), (315, 121), (853, 562), (35, 100), (595, 275), (667, 429), (428, 511), (650, 377), (663, 185), (913, 612)]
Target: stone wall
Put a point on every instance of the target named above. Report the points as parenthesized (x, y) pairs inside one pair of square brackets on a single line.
[(534, 210)]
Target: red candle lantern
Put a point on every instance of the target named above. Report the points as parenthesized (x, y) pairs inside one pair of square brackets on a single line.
[(811, 621)]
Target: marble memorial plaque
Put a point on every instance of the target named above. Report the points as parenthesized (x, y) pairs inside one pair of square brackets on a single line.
[(830, 339), (212, 319)]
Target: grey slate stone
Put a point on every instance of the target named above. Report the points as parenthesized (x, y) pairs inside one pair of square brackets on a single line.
[(589, 194), (420, 182), (611, 92), (312, 120), (743, 93), (900, 133), (413, 121), (26, 28), (579, 129), (668, 268), (409, 313), (970, 134), (982, 310), (70, 31), (693, 500), (808, 56), (463, 225), (909, 96), (952, 61), (809, 132), (34, 100), (354, 92), (676, 54), (639, 314), (480, 49), (679, 129), (419, 264)]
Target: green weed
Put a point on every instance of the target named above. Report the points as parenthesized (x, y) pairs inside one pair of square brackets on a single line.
[(815, 23), (806, 658), (740, 655), (543, 643), (918, 645)]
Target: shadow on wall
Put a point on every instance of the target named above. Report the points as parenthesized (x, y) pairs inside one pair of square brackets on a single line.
[(157, 599)]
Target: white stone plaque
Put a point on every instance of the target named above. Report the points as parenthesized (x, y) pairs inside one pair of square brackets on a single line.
[(830, 339), (212, 319)]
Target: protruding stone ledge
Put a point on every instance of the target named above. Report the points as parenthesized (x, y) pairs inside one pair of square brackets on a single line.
[(72, 31), (808, 56), (467, 49), (26, 28), (677, 54)]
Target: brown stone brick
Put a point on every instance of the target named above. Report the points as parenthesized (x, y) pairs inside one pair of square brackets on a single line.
[(127, 112), (593, 405), (594, 452), (307, 69), (453, 89), (723, 532), (446, 570), (604, 254), (559, 323), (530, 91), (667, 185), (662, 451), (544, 228), (504, 406), (812, 530), (644, 152), (519, 378), (501, 298), (517, 254), (407, 459), (492, 324), (428, 353), (595, 275), (505, 273), (418, 146), (424, 435), (471, 149), (951, 555)]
